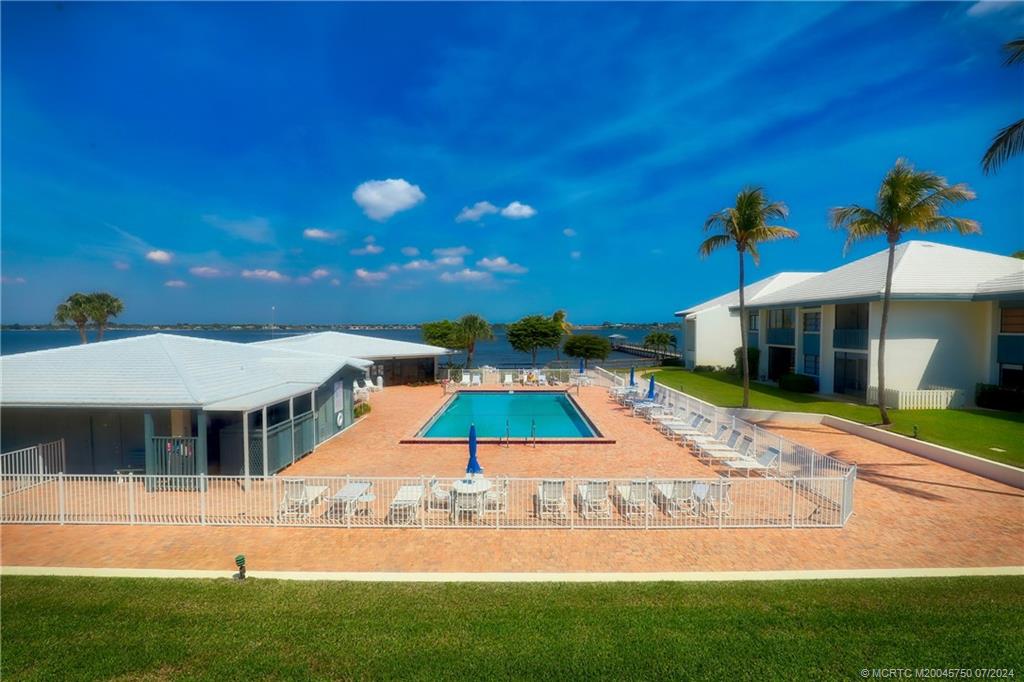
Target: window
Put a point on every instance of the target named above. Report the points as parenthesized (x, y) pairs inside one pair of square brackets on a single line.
[(852, 316), (811, 365), (780, 318), (1011, 376), (812, 322), (754, 322), (1012, 321)]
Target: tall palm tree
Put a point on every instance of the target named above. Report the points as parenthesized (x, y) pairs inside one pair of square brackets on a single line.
[(1010, 140), (744, 226), (660, 341), (907, 200), (75, 310), (559, 318), (102, 307), (473, 328)]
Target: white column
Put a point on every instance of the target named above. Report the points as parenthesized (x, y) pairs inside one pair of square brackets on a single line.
[(291, 418), (245, 447), (266, 458)]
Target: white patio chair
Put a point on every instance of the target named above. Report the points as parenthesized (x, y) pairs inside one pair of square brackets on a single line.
[(551, 499), (507, 381), (466, 504), (496, 499), (476, 380), (542, 379), (593, 500), (439, 498), (635, 498), (465, 379)]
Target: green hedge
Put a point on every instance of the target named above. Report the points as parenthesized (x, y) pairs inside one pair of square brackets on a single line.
[(798, 383), (361, 409), (753, 358), (999, 398)]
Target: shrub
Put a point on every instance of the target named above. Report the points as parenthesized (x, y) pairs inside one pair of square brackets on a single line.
[(361, 409), (999, 398), (753, 358), (704, 368), (671, 362), (798, 383)]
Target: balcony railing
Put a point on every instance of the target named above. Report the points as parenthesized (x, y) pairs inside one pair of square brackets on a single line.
[(850, 338), (782, 336)]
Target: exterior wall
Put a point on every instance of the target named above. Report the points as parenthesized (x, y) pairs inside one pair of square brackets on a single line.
[(716, 335), (827, 362), (327, 410), (932, 343)]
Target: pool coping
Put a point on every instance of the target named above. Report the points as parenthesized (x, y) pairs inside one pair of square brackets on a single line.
[(597, 439)]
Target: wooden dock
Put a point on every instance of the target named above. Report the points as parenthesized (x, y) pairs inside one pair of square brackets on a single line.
[(642, 351)]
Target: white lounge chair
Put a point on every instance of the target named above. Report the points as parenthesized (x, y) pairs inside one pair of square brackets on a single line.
[(763, 462), (675, 496), (299, 498), (542, 379), (635, 498), (507, 381), (404, 508), (465, 379), (551, 499), (712, 498), (721, 454), (345, 502), (594, 502)]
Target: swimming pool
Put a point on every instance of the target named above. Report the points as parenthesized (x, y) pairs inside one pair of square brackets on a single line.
[(495, 413)]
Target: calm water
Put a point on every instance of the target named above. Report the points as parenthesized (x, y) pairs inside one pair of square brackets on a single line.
[(493, 413), (497, 352)]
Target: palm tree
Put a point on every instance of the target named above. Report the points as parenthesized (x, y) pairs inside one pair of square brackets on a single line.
[(660, 341), (76, 310), (559, 318), (102, 307), (1010, 140), (744, 226), (473, 328), (907, 200)]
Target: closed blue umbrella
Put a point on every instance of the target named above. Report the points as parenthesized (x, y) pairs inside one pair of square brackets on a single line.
[(473, 467), (650, 389), (632, 376), (582, 370)]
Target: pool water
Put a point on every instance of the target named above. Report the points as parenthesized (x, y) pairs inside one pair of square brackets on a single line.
[(553, 413)]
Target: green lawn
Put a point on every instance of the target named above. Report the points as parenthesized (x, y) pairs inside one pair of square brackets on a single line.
[(90, 628), (973, 431)]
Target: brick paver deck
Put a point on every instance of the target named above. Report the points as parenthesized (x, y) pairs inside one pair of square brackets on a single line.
[(909, 512)]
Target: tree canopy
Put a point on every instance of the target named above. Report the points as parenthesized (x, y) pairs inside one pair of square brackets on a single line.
[(660, 341), (532, 333), (79, 309), (587, 346)]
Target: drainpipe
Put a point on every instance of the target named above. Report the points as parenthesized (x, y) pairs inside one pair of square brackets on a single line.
[(245, 448)]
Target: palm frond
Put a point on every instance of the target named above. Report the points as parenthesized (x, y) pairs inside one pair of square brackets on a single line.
[(713, 243), (1015, 48), (949, 224), (1007, 143), (755, 255), (770, 233)]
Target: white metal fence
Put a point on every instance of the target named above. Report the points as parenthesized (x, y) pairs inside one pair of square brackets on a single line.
[(375, 502), (23, 468), (934, 398)]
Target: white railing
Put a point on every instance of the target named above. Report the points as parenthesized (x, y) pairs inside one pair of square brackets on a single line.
[(423, 502), (492, 376), (23, 468), (933, 398)]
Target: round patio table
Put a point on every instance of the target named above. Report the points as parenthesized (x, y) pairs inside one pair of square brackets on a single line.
[(475, 485)]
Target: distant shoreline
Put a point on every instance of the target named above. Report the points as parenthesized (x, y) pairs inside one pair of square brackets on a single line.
[(294, 327)]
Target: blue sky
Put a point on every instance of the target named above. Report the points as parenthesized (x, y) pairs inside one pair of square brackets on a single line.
[(206, 162)]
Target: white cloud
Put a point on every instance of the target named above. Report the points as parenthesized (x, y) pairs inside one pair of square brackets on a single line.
[(121, 265), (175, 284), (575, 255), (420, 264), (985, 7), (335, 282), (448, 261), (569, 232), (255, 229), (370, 277), (266, 275), (381, 199), (475, 212), (371, 247), (159, 256), (518, 211), (206, 271), (501, 264), (303, 280), (12, 280), (449, 251), (465, 275), (393, 267), (410, 251), (316, 234), (320, 273)]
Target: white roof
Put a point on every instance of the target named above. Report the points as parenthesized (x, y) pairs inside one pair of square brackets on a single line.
[(921, 270), (354, 346), (751, 292), (163, 370)]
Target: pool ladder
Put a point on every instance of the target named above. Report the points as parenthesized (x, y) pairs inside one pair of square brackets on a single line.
[(508, 434), (533, 431)]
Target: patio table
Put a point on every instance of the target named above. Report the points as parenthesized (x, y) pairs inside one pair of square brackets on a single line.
[(471, 486)]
